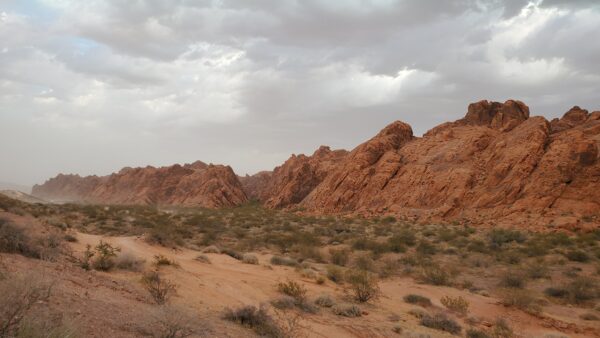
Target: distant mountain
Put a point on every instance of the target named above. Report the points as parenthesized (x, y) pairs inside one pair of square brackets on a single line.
[(197, 184), (13, 186), (21, 196)]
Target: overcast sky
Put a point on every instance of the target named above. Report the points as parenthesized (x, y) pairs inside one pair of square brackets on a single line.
[(91, 86)]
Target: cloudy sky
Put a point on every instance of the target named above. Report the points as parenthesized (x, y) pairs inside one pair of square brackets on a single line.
[(91, 86)]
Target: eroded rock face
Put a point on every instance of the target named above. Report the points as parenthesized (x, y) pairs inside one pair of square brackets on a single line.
[(196, 184), (289, 183), (496, 163)]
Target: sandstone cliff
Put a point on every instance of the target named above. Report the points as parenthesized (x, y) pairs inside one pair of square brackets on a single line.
[(496, 163), (196, 184)]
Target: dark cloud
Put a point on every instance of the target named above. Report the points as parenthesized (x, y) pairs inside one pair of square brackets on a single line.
[(91, 86)]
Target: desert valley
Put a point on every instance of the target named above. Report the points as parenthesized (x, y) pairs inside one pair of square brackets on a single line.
[(487, 226)]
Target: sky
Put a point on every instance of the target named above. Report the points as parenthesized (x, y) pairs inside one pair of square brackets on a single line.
[(89, 87)]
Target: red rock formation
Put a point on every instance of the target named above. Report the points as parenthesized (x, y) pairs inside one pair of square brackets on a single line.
[(496, 163), (289, 183), (196, 184), (256, 185)]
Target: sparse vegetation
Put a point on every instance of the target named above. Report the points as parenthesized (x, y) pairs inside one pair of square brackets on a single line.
[(18, 295), (160, 260), (418, 300), (363, 285), (249, 259), (127, 261), (292, 289), (257, 319), (458, 305), (279, 260), (105, 254), (347, 310), (442, 322), (159, 288)]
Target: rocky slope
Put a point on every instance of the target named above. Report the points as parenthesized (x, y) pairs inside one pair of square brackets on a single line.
[(196, 184), (494, 164), (289, 183)]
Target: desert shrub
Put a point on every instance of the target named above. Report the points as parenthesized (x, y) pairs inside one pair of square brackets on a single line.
[(14, 240), (457, 305), (127, 261), (401, 239), (161, 260), (335, 274), (477, 245), (417, 299), (556, 292), (501, 329), (426, 248), (364, 261), (363, 285), (284, 302), (577, 256), (509, 256), (441, 322), (203, 259), (499, 237), (174, 323), (589, 316), (320, 280), (347, 310), (70, 238), (105, 254), (17, 296), (435, 275), (164, 233), (339, 256), (249, 259), (513, 279), (325, 301), (538, 269), (582, 289), (86, 262), (211, 249), (232, 253), (417, 313), (279, 260), (476, 333), (389, 267), (292, 289), (521, 299), (159, 288), (256, 319)]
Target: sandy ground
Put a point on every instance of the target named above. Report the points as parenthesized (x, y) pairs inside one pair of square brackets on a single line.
[(209, 288)]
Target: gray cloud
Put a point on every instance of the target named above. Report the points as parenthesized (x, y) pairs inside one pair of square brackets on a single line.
[(91, 86)]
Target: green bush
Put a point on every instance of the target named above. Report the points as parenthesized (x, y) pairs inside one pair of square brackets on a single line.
[(105, 254)]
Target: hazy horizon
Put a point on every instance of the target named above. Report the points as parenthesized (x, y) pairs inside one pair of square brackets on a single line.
[(91, 87)]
